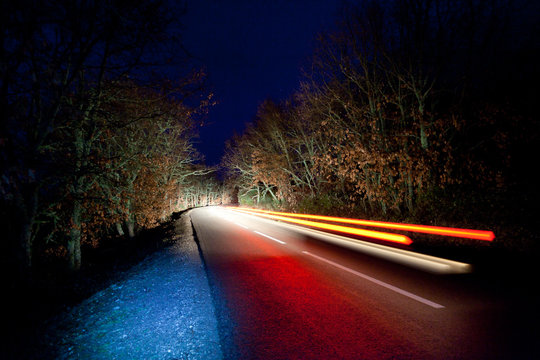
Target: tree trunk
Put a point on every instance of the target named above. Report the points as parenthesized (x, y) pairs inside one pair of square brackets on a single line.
[(131, 228), (410, 191), (74, 241), (26, 240), (27, 210), (130, 222), (119, 229), (27, 253), (423, 136)]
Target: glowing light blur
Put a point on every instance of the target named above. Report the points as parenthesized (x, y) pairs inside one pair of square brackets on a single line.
[(426, 229), (419, 261), (396, 238)]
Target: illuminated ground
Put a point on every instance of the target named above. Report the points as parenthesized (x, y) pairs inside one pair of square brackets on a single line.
[(276, 293), (162, 310)]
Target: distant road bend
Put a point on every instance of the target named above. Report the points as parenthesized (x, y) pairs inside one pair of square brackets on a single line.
[(287, 292)]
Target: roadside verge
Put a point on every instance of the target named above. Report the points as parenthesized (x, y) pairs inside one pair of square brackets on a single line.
[(161, 309)]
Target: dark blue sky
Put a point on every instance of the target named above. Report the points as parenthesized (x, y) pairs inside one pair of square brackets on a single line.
[(252, 50)]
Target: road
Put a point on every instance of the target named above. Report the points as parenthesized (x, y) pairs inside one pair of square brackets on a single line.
[(282, 294)]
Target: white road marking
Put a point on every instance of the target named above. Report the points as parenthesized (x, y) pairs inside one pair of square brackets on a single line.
[(378, 282), (245, 227), (271, 238)]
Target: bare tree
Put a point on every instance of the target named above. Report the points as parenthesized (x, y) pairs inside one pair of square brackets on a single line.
[(57, 55)]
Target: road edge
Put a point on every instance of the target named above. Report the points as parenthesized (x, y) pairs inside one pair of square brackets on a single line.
[(185, 232)]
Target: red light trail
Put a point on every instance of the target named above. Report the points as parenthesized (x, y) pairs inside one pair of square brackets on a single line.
[(396, 238), (426, 229)]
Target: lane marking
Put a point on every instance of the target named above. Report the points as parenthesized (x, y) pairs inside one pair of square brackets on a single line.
[(245, 227), (271, 238), (378, 282)]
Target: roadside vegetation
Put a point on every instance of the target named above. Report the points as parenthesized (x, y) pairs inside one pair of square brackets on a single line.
[(416, 111), (100, 110)]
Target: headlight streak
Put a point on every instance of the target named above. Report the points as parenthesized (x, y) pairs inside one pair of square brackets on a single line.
[(426, 229), (429, 263), (396, 238), (424, 262), (432, 264)]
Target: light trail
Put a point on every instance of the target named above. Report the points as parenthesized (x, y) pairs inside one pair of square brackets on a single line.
[(426, 229), (396, 238), (424, 262)]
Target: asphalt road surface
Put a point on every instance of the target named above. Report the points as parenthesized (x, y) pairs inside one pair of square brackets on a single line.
[(283, 294)]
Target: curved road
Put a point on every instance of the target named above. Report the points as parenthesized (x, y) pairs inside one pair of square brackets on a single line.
[(283, 294)]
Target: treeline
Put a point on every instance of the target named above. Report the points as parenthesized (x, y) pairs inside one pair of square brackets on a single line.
[(412, 110), (94, 138)]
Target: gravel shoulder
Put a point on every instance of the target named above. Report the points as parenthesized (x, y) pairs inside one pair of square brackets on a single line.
[(161, 309)]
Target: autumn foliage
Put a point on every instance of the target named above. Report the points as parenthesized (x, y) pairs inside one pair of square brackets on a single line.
[(391, 122), (99, 117)]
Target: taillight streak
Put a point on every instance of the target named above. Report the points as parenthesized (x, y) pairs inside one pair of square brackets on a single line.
[(396, 238), (426, 229)]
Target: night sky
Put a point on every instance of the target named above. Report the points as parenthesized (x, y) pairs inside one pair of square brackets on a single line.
[(251, 50)]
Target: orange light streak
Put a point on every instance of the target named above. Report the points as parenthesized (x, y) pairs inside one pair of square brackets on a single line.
[(397, 238), (426, 229)]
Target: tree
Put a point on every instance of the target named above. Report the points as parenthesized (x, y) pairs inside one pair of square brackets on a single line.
[(393, 108), (148, 151), (57, 56)]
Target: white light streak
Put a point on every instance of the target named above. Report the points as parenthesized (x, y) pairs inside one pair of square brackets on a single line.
[(412, 259), (424, 262)]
